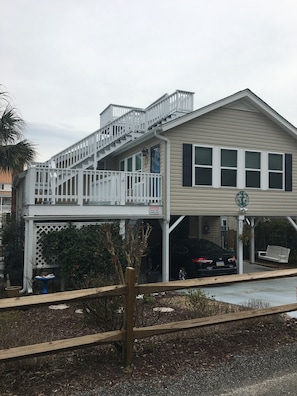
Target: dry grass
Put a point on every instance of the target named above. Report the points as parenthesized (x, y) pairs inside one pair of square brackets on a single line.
[(159, 355)]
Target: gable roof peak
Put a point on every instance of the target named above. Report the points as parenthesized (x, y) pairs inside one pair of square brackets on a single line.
[(251, 98)]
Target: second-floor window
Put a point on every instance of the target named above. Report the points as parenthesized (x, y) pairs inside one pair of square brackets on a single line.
[(203, 166), (276, 171), (252, 169), (138, 162), (239, 168), (228, 168), (132, 164)]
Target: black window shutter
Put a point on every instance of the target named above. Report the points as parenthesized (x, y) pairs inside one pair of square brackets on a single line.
[(288, 172), (187, 165)]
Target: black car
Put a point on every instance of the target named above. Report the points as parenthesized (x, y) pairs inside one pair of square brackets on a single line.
[(193, 258)]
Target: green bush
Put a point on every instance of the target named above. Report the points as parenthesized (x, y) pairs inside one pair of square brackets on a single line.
[(95, 251), (13, 250), (80, 253)]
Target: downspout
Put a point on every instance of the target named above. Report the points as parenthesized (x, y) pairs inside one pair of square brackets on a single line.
[(166, 222), (28, 254)]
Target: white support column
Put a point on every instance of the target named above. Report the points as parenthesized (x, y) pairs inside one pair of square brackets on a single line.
[(28, 256), (252, 241), (80, 187), (165, 251), (30, 186), (292, 222), (122, 188), (123, 229), (240, 244)]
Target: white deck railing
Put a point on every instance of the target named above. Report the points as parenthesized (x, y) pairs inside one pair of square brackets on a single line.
[(135, 120), (85, 187)]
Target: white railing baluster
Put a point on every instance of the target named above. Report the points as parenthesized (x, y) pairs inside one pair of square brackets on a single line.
[(82, 187)]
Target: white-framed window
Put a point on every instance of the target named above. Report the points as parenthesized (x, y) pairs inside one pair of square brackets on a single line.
[(252, 163), (138, 162), (203, 164), (228, 168), (276, 171), (239, 168), (132, 164)]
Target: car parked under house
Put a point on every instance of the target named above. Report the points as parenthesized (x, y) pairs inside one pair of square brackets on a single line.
[(195, 258)]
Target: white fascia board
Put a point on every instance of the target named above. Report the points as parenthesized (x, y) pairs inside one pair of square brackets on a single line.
[(245, 94)]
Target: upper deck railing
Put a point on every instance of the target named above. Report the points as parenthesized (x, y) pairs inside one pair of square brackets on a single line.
[(133, 121), (44, 185)]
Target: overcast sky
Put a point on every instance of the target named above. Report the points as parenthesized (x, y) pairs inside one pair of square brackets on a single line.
[(64, 61)]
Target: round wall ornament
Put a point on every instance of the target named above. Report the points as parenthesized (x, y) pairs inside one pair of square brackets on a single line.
[(242, 199)]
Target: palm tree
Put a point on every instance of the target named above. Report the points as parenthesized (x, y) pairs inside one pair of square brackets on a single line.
[(15, 152)]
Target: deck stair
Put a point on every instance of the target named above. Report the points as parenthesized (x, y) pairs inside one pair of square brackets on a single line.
[(117, 130)]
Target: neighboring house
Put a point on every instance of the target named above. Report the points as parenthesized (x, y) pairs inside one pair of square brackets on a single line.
[(171, 164), (5, 196), (5, 209)]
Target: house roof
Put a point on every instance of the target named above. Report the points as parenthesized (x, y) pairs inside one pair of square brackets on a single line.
[(245, 96), (244, 100)]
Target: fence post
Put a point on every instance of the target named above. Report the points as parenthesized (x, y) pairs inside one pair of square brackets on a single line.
[(130, 278)]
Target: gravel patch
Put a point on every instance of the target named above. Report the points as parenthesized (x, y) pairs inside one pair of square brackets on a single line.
[(259, 375)]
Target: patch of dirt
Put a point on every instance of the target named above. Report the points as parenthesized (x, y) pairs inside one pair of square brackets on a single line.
[(169, 355)]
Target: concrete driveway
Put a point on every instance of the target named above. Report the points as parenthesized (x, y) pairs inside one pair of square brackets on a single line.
[(271, 291)]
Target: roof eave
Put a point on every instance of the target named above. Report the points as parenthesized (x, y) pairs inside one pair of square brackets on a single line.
[(247, 93)]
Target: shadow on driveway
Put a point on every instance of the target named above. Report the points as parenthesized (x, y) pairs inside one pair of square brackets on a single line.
[(274, 292)]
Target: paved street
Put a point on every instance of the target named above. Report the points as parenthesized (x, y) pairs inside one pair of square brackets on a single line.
[(272, 291)]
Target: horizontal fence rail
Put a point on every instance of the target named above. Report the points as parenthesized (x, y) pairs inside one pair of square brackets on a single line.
[(87, 187), (129, 333)]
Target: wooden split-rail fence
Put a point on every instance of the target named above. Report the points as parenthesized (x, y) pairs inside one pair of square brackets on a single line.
[(129, 333)]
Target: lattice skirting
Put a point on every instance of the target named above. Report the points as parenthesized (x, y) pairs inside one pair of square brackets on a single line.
[(39, 229)]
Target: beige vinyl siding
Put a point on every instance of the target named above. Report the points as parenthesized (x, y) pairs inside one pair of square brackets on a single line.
[(230, 128), (214, 223)]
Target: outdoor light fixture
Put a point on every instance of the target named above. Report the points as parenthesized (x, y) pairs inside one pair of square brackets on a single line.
[(145, 152)]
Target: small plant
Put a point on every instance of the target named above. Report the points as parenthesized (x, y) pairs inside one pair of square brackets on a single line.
[(105, 313), (245, 237), (200, 303), (255, 304), (148, 299)]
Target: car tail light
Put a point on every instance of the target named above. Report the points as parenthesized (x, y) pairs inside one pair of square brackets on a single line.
[(232, 259), (202, 260)]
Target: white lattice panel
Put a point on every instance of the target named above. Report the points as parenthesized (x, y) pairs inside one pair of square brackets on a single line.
[(39, 229)]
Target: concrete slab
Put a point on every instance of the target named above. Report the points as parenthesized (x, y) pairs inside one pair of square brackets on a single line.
[(271, 291)]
